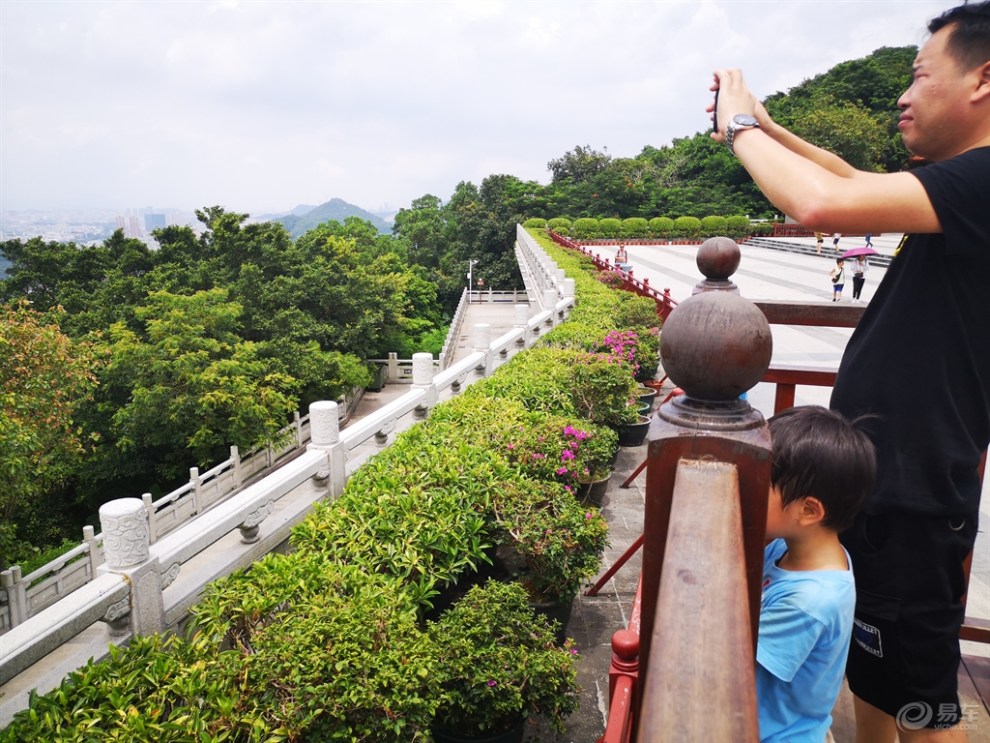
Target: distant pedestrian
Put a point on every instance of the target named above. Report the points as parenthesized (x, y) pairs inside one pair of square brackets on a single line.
[(835, 241), (859, 267), (838, 276), (819, 239), (869, 239)]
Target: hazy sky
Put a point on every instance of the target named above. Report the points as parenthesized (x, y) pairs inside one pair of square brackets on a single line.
[(260, 106)]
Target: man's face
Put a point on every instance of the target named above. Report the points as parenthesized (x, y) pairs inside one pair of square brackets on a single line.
[(936, 101)]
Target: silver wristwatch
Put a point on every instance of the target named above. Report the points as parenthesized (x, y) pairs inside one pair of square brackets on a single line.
[(739, 121)]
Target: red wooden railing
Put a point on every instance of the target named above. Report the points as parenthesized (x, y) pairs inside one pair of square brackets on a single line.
[(665, 303)]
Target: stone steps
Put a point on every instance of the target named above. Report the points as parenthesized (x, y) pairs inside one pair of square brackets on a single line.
[(791, 246)]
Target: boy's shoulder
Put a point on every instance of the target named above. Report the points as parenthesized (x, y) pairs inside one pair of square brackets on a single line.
[(818, 593)]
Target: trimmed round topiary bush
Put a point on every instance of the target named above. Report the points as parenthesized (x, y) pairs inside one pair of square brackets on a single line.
[(537, 223), (713, 226), (662, 227), (560, 225), (737, 227), (688, 228), (586, 227), (610, 227), (634, 227)]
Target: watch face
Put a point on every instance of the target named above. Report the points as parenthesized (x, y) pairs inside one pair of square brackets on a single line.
[(744, 120)]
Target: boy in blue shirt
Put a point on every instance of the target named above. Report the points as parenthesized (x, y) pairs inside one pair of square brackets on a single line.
[(823, 469)]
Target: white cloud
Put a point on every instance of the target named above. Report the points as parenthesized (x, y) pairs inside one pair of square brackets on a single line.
[(262, 105)]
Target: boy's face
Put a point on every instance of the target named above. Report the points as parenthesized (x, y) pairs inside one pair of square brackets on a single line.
[(781, 519)]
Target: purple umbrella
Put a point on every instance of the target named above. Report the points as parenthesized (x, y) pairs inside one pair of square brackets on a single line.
[(853, 252)]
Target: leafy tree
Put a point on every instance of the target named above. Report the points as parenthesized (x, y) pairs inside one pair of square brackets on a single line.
[(44, 377), (183, 388)]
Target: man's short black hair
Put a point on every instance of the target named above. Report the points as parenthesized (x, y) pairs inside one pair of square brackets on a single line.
[(818, 453), (969, 40)]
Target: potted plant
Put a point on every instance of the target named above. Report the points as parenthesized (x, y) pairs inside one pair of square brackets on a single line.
[(553, 448), (601, 385), (499, 665), (547, 540)]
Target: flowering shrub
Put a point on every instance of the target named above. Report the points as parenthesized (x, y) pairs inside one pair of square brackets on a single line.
[(499, 664), (547, 538), (601, 387), (561, 452), (611, 279), (636, 349)]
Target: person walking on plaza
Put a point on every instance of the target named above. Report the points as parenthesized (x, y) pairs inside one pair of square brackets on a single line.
[(838, 276), (819, 239), (859, 267), (920, 521), (835, 240), (869, 239)]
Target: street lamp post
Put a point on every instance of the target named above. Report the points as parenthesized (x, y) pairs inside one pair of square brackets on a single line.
[(470, 278)]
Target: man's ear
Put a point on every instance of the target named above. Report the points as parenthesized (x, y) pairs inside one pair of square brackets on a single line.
[(812, 511), (982, 90)]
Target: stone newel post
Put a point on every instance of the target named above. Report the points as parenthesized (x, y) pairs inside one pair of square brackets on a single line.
[(324, 434), (127, 549)]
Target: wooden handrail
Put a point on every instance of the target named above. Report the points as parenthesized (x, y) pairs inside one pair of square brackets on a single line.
[(700, 677)]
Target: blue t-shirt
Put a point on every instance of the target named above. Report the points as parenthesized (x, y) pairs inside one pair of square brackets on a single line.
[(806, 620)]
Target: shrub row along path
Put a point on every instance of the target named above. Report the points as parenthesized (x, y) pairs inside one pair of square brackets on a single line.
[(763, 274)]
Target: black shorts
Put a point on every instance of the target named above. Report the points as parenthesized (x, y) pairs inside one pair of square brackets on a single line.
[(904, 655)]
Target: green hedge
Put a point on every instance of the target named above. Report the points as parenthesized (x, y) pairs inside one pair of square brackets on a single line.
[(664, 228)]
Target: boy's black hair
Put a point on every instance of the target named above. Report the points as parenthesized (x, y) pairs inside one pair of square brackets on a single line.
[(969, 40), (818, 453)]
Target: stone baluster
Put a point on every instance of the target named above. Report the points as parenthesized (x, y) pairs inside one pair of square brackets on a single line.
[(522, 321), (324, 435), (422, 365), (13, 583), (482, 341), (127, 552)]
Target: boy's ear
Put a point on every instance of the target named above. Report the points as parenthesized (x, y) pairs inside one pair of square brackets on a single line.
[(812, 511)]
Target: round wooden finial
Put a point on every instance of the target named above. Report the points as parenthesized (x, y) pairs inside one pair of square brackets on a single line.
[(718, 258), (715, 346)]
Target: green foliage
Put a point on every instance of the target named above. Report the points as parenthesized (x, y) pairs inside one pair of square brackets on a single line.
[(601, 387), (548, 539), (737, 227), (635, 227), (609, 227), (44, 378), (535, 223), (561, 225), (499, 664), (687, 227), (586, 227), (662, 227), (713, 226)]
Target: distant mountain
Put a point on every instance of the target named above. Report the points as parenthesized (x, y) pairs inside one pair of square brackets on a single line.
[(304, 218)]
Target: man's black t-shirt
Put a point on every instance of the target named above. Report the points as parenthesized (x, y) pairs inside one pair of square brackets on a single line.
[(920, 358)]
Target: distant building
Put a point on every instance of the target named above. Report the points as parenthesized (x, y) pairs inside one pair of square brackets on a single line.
[(154, 221)]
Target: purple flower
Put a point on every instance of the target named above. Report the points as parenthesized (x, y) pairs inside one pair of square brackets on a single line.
[(492, 682)]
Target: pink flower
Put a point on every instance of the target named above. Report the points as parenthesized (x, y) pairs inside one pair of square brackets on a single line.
[(492, 682), (566, 455), (561, 470), (511, 446)]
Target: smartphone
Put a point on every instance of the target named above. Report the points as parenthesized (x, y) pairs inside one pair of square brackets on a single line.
[(715, 114)]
